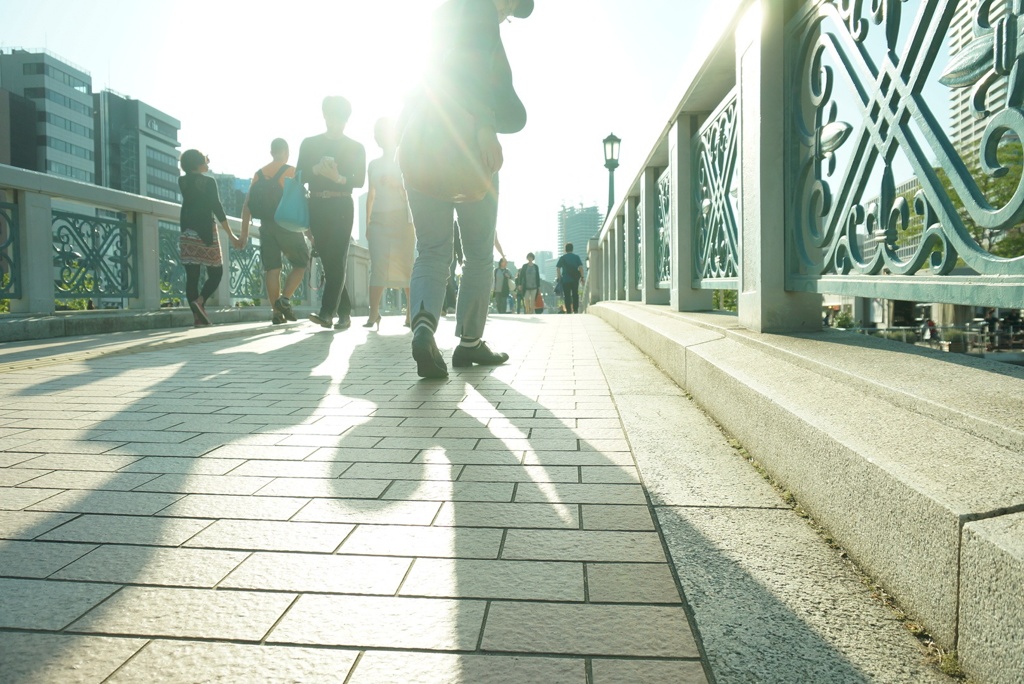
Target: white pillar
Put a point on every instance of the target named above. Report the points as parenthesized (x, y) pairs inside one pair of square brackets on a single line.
[(595, 283), (147, 245), (632, 230), (35, 240), (764, 303), (684, 296)]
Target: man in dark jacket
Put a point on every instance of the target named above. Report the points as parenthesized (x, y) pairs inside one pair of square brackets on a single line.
[(468, 71)]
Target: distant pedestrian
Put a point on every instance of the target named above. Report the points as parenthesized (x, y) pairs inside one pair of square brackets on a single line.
[(201, 211), (260, 203), (468, 72), (333, 165), (502, 286), (570, 274), (528, 283), (389, 228)]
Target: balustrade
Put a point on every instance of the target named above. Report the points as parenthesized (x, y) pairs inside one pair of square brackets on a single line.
[(820, 159)]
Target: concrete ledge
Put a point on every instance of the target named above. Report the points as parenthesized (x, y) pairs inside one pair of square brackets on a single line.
[(16, 328), (892, 449), (992, 599)]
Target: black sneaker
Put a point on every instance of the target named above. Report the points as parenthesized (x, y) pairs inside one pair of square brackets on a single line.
[(277, 319), (322, 322), (344, 323), (429, 362), (283, 306), (464, 357)]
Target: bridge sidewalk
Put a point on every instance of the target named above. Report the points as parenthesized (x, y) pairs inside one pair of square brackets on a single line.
[(268, 504)]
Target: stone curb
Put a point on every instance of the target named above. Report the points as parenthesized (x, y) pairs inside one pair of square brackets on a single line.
[(893, 485)]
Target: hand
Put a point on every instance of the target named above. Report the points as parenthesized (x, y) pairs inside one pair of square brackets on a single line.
[(490, 150), (237, 242)]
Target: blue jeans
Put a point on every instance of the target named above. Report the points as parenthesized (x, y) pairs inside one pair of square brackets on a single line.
[(435, 240)]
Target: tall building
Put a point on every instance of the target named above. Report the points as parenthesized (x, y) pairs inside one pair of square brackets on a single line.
[(136, 147), (62, 95), (546, 264), (967, 130), (232, 191), (17, 115), (578, 225)]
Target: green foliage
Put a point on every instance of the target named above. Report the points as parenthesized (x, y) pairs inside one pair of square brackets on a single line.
[(844, 319), (998, 191), (5, 306), (725, 300)]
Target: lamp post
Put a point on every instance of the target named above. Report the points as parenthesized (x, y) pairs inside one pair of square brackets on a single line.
[(611, 162)]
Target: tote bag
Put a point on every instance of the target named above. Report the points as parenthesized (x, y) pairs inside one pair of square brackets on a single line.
[(293, 211)]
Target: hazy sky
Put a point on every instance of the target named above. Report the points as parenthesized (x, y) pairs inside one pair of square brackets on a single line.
[(238, 74)]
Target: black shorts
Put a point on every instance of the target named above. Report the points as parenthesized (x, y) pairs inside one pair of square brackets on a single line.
[(275, 241)]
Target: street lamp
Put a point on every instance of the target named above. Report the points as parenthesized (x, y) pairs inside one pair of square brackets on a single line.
[(611, 162)]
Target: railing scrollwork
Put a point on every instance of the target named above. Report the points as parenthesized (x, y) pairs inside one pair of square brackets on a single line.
[(94, 257), (716, 195), (663, 231), (10, 258), (860, 220)]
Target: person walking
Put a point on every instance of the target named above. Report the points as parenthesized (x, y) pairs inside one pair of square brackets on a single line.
[(528, 283), (332, 165), (502, 286), (260, 203), (201, 211), (570, 274), (388, 227), (468, 69)]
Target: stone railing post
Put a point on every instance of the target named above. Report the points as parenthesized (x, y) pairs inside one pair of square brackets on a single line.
[(684, 296), (619, 277), (633, 293), (35, 237), (595, 283), (650, 293), (147, 245), (764, 303)]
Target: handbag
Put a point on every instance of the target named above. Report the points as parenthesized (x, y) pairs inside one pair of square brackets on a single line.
[(293, 210), (538, 303)]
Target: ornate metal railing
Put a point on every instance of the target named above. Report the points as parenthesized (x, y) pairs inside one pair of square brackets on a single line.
[(716, 199), (882, 194), (663, 231), (10, 259), (172, 273), (94, 257), (246, 274)]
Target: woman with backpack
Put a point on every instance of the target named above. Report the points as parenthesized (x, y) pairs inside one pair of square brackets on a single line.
[(201, 211)]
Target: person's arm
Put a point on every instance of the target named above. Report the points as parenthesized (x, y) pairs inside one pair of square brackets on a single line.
[(218, 211), (371, 196), (305, 163), (497, 246), (246, 214), (358, 176)]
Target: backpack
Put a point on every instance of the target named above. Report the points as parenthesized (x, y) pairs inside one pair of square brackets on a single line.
[(265, 194)]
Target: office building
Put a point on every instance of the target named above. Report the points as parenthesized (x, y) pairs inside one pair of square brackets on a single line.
[(136, 147), (546, 264), (17, 115), (232, 191), (966, 129), (578, 225), (62, 95)]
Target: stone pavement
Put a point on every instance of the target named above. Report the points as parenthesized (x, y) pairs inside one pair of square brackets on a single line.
[(284, 504)]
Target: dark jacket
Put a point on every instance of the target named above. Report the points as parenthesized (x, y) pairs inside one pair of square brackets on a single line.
[(200, 205), (469, 65)]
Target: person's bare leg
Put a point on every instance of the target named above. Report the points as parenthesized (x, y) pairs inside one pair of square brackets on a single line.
[(408, 320), (376, 292), (292, 282), (273, 281)]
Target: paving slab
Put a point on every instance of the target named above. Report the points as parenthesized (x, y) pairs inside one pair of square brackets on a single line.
[(317, 513)]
